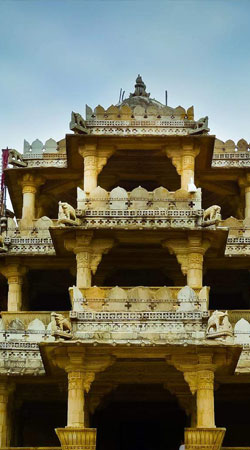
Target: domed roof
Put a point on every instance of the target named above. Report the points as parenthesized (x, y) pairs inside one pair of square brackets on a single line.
[(140, 97)]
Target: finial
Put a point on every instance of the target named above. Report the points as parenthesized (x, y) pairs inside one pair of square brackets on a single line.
[(140, 88)]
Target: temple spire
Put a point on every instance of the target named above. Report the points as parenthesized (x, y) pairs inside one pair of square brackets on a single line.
[(140, 88)]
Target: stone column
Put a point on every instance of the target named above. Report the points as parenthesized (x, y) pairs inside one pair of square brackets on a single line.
[(14, 273), (75, 398), (5, 391), (205, 399), (244, 184), (195, 269), (30, 185), (183, 159), (188, 165), (247, 201), (89, 153), (83, 270), (195, 252)]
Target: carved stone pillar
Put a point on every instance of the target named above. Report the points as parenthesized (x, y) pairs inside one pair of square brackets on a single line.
[(189, 254), (5, 391), (88, 255), (205, 399), (14, 273), (188, 164), (30, 185), (75, 399), (183, 159), (94, 160), (247, 200), (89, 153), (195, 269), (244, 183), (83, 270), (81, 373)]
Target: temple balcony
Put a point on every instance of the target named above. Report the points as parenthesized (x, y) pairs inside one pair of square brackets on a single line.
[(139, 208), (21, 333)]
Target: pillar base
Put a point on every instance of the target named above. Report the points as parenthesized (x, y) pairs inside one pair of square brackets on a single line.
[(204, 438), (77, 438)]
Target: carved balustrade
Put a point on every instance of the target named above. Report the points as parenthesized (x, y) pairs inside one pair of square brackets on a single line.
[(139, 208), (34, 239), (141, 298), (228, 154)]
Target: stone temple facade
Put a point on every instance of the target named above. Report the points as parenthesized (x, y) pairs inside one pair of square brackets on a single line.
[(125, 284)]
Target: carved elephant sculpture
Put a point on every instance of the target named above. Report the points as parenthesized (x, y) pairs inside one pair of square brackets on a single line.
[(66, 211), (212, 213), (216, 320)]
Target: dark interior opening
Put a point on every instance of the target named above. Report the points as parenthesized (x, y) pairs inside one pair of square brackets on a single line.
[(138, 265), (48, 290), (3, 293), (232, 412), (132, 168), (139, 277), (230, 289), (37, 422), (231, 205), (142, 424)]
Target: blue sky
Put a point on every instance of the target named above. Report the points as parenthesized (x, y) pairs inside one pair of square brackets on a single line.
[(58, 55)]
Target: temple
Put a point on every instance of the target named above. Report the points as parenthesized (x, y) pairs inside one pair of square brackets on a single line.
[(125, 284)]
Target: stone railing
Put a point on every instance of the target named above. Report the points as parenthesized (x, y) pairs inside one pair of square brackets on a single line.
[(139, 208), (140, 298), (228, 154), (26, 326), (138, 199), (33, 240), (50, 154), (238, 239)]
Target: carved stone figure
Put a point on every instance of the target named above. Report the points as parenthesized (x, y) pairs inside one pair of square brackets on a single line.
[(60, 326), (77, 123), (212, 213), (218, 325), (15, 158), (66, 213)]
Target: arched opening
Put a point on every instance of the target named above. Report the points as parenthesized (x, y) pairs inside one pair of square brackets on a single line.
[(139, 417)]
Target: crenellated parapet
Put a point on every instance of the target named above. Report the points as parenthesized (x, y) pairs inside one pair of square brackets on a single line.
[(39, 154), (230, 154)]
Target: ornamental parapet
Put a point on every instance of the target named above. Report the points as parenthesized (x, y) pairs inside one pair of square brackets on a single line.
[(140, 298), (37, 154), (139, 209), (229, 155), (238, 239), (33, 240)]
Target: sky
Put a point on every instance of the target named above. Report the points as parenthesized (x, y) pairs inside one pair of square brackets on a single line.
[(58, 55)]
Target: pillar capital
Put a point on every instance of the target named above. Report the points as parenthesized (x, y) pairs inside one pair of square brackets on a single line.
[(30, 183), (183, 158), (89, 254), (189, 254), (87, 150)]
